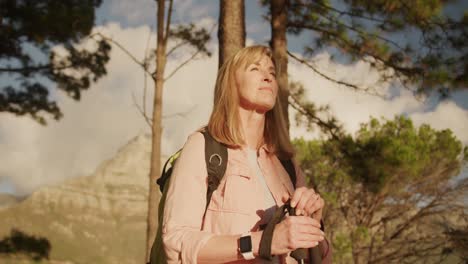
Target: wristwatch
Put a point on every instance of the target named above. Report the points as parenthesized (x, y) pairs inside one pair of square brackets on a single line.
[(245, 246)]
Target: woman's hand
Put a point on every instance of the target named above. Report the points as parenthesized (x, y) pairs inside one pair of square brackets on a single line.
[(295, 232), (307, 203)]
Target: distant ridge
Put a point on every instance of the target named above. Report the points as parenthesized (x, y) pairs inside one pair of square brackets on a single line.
[(7, 200), (100, 218)]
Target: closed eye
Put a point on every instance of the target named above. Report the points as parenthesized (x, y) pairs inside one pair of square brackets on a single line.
[(254, 69)]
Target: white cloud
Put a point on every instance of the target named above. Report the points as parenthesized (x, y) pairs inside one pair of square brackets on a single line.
[(105, 118), (190, 10), (133, 11), (91, 130), (352, 108), (446, 115), (144, 12)]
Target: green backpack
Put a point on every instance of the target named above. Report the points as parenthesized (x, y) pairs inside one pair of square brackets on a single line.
[(216, 156)]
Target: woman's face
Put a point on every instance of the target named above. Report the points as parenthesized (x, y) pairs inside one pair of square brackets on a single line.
[(257, 85)]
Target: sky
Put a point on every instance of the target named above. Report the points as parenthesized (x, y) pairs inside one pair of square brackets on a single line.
[(106, 118)]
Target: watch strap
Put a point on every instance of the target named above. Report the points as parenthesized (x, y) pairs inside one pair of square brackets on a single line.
[(245, 246)]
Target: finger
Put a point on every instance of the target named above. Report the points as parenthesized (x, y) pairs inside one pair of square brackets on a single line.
[(308, 237), (313, 204), (310, 204), (297, 195), (301, 205), (319, 205), (309, 231), (303, 244), (303, 220), (285, 197)]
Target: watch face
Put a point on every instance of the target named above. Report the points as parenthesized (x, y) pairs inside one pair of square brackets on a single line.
[(245, 244)]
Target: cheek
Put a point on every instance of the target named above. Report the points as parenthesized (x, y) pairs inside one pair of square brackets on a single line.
[(275, 89), (244, 91)]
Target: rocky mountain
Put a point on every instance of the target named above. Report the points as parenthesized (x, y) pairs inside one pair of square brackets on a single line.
[(99, 218), (8, 200)]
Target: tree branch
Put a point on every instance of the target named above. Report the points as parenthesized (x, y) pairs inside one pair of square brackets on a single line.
[(350, 14), (180, 44), (142, 64), (147, 119), (182, 65), (181, 114), (332, 130), (405, 250), (186, 61), (355, 87), (361, 32), (358, 50), (30, 68), (418, 215)]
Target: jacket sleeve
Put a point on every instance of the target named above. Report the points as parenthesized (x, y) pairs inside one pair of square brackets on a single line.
[(185, 204), (325, 244)]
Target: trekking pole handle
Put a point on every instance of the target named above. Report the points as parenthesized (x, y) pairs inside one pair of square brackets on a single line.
[(299, 254)]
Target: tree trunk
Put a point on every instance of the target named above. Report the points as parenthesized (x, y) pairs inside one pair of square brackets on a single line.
[(155, 167), (279, 45), (231, 31)]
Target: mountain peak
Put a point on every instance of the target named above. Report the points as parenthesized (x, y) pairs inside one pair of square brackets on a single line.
[(103, 214)]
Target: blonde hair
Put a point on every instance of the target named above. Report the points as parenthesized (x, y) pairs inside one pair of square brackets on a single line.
[(224, 124)]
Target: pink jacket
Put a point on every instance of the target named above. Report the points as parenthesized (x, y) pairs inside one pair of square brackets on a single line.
[(233, 208)]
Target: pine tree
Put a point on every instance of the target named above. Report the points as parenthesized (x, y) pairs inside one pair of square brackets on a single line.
[(29, 30)]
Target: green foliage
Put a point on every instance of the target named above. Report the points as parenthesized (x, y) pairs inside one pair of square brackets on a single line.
[(311, 116), (382, 153), (35, 27), (18, 242), (414, 42), (342, 248), (195, 37), (465, 153), (388, 185), (361, 233)]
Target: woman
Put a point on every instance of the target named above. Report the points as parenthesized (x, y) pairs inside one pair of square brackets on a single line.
[(247, 118)]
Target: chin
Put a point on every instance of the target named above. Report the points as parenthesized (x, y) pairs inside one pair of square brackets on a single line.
[(267, 106)]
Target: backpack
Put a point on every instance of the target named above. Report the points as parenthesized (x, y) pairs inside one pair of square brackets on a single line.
[(216, 156)]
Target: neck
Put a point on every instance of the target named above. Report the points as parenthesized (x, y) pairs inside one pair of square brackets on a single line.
[(253, 125)]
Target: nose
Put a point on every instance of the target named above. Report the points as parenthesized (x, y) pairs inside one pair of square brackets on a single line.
[(266, 77)]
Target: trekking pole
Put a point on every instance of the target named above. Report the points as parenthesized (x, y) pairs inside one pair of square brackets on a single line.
[(299, 254)]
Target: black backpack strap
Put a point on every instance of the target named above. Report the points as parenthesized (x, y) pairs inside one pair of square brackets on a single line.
[(264, 250), (300, 254), (267, 236), (161, 181), (216, 156), (290, 169), (167, 172)]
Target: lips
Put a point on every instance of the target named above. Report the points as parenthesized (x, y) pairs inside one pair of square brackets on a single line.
[(266, 89)]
